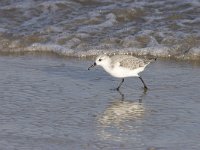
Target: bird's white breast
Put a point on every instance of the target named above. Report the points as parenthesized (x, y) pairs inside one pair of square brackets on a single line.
[(121, 72)]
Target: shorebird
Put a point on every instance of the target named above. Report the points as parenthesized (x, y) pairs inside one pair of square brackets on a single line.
[(122, 66)]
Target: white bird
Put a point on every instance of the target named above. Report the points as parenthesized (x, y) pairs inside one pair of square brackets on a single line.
[(121, 66)]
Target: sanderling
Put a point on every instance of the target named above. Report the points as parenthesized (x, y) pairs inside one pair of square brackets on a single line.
[(121, 66)]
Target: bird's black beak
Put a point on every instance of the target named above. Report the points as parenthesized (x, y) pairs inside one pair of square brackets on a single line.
[(92, 66)]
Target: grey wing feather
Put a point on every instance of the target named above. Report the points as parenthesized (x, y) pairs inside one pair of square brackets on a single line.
[(119, 58), (129, 61)]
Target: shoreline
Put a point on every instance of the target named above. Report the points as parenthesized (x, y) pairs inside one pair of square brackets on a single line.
[(91, 57)]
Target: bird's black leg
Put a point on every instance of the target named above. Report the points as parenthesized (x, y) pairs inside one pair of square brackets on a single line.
[(122, 95), (145, 87), (120, 84)]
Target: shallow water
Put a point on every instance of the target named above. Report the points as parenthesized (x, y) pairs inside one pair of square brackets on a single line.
[(56, 103)]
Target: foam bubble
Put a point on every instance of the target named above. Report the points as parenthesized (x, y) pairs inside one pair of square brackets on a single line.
[(195, 51), (50, 48)]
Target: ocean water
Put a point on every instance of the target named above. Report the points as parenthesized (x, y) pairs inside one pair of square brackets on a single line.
[(81, 28), (48, 102)]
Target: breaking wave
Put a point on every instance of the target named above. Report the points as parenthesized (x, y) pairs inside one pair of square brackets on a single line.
[(83, 28)]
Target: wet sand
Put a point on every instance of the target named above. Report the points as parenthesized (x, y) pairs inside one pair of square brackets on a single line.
[(56, 103)]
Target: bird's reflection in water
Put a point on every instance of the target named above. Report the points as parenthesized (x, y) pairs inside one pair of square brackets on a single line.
[(120, 117), (122, 111)]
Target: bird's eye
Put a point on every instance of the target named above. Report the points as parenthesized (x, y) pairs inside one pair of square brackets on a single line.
[(100, 59)]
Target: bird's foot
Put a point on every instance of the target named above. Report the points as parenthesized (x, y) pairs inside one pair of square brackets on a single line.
[(145, 89), (118, 90), (115, 89)]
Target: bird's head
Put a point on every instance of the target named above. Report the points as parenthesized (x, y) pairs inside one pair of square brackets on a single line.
[(101, 60)]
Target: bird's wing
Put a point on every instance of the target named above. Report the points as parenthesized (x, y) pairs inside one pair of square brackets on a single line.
[(128, 61), (118, 58), (132, 63)]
